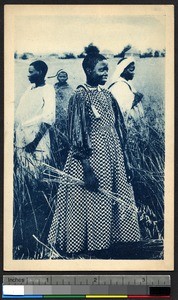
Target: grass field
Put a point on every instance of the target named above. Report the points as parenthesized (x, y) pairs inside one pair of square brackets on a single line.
[(149, 80)]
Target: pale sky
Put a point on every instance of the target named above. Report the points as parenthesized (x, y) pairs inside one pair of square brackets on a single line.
[(58, 34)]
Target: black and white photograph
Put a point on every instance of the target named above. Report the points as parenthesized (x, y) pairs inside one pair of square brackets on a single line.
[(89, 137)]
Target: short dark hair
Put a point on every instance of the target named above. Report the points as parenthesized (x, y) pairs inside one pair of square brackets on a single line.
[(40, 65), (92, 58)]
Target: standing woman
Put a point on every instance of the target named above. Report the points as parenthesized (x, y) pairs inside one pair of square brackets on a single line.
[(58, 133), (34, 117), (63, 90), (130, 103), (144, 145), (86, 219)]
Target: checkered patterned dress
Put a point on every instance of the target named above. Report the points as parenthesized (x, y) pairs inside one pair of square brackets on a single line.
[(86, 220)]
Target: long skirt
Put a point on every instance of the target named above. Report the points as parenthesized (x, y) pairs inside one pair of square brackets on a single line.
[(85, 220)]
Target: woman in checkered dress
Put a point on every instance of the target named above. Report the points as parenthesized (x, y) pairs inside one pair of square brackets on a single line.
[(86, 219)]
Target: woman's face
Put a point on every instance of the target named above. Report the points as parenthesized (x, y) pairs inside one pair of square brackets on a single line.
[(62, 77), (33, 74), (99, 74), (129, 72)]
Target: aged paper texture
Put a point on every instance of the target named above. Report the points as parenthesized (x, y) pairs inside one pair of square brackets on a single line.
[(39, 32)]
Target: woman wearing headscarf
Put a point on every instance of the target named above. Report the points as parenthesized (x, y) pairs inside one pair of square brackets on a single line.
[(127, 97), (85, 218), (59, 138), (130, 102), (144, 147)]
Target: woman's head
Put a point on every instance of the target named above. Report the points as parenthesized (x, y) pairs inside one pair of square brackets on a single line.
[(95, 66), (37, 71), (62, 76), (125, 69), (128, 72)]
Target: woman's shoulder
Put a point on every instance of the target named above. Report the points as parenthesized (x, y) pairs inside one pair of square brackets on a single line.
[(107, 92), (68, 86), (120, 84), (81, 92), (78, 95), (56, 85), (48, 87), (48, 92)]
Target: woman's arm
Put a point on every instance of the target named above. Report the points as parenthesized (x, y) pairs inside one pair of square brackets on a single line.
[(78, 129), (119, 122), (90, 179), (137, 98), (31, 147), (47, 117), (122, 134)]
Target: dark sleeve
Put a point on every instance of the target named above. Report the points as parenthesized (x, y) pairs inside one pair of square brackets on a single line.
[(122, 133), (78, 127), (119, 123)]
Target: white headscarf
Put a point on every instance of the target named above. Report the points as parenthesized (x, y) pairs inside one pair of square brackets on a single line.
[(123, 63), (58, 72)]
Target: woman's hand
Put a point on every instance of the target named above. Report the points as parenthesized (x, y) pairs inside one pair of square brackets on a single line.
[(138, 97), (30, 148), (90, 179)]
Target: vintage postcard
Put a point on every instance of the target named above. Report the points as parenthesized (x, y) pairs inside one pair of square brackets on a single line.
[(89, 137)]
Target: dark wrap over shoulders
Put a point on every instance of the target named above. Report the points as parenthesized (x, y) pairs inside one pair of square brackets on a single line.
[(119, 122), (122, 133), (78, 125)]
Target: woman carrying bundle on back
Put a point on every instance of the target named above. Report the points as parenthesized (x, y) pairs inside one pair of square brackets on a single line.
[(86, 219)]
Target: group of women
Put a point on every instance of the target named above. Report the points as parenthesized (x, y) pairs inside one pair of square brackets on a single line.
[(87, 132)]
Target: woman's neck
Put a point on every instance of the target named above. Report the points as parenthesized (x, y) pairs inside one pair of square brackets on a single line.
[(62, 83), (92, 83), (123, 76), (40, 83)]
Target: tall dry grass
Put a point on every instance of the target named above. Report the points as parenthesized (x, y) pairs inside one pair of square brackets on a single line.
[(34, 201)]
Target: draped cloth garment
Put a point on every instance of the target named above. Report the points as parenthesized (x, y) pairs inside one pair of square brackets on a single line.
[(58, 133), (124, 93), (36, 106)]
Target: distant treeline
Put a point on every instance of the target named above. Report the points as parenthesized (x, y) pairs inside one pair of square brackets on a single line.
[(153, 53), (127, 51)]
